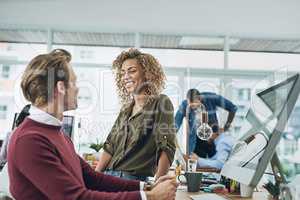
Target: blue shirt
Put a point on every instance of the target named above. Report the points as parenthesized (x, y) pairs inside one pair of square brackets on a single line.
[(211, 101), (224, 144)]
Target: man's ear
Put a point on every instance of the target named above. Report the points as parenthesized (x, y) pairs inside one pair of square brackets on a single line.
[(60, 87)]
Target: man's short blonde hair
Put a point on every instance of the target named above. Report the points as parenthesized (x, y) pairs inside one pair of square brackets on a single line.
[(42, 74)]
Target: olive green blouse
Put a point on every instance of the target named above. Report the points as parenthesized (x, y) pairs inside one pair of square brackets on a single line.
[(135, 142)]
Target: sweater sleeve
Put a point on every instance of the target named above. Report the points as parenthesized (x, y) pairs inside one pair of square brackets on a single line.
[(101, 182), (37, 160)]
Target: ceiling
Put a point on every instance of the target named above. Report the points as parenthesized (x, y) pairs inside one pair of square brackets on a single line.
[(149, 41), (257, 25)]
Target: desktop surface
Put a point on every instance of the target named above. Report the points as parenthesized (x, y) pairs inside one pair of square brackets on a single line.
[(182, 194)]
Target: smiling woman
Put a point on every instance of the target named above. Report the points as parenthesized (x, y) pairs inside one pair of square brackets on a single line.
[(137, 71), (132, 75), (141, 142)]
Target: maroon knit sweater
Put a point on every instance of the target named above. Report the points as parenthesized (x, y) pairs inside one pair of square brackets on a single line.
[(42, 164)]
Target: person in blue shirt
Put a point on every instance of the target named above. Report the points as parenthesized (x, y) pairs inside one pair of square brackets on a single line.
[(224, 144), (211, 101)]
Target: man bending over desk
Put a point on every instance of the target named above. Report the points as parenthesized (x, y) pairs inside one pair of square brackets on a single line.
[(224, 143)]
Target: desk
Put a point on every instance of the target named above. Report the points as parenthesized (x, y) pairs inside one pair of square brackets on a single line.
[(209, 169), (183, 195)]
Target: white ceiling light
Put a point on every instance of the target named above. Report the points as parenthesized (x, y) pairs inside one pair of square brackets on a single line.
[(195, 41)]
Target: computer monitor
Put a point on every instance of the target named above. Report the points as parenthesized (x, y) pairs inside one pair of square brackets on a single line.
[(68, 126), (15, 121), (265, 122)]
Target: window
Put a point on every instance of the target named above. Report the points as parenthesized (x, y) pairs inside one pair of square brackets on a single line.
[(204, 84), (288, 148), (5, 71), (242, 93), (98, 105), (13, 59), (86, 54), (264, 61), (20, 51), (176, 58), (91, 55), (173, 90), (3, 111)]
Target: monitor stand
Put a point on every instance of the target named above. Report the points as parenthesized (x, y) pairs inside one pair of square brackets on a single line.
[(277, 170), (276, 166)]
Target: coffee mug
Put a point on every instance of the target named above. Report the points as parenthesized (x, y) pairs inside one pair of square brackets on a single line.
[(193, 180), (246, 191)]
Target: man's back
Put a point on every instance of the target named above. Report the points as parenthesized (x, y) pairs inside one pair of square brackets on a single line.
[(224, 144), (41, 142)]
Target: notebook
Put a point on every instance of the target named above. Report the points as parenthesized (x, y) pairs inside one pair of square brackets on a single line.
[(207, 197)]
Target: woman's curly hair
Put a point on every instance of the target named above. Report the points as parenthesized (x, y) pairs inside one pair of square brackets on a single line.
[(153, 74)]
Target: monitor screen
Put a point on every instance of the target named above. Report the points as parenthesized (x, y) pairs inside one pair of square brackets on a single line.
[(15, 121), (275, 97), (265, 122), (68, 124)]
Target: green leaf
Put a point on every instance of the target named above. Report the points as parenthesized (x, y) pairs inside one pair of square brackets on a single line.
[(97, 147)]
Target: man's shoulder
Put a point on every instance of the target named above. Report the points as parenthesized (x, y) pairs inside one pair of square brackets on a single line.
[(184, 103), (24, 138), (29, 131), (207, 94), (27, 134)]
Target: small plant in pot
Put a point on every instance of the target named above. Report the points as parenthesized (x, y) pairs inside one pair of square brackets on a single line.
[(96, 146), (273, 189)]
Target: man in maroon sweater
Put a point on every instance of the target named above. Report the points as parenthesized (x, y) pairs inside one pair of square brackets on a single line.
[(42, 162)]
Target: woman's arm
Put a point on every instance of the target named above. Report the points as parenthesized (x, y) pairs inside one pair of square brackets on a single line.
[(104, 159), (163, 165), (165, 133)]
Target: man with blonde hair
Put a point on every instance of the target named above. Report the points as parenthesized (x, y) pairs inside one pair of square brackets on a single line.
[(42, 162)]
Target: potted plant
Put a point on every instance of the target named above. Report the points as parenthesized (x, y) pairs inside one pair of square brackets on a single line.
[(96, 146), (273, 189)]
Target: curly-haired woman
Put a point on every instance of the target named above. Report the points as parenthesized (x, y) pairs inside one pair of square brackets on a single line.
[(142, 140)]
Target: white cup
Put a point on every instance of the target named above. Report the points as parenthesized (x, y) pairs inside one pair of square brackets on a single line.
[(192, 165), (246, 191)]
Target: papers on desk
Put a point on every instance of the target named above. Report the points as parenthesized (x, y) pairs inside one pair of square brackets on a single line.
[(179, 157), (182, 188), (207, 197)]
